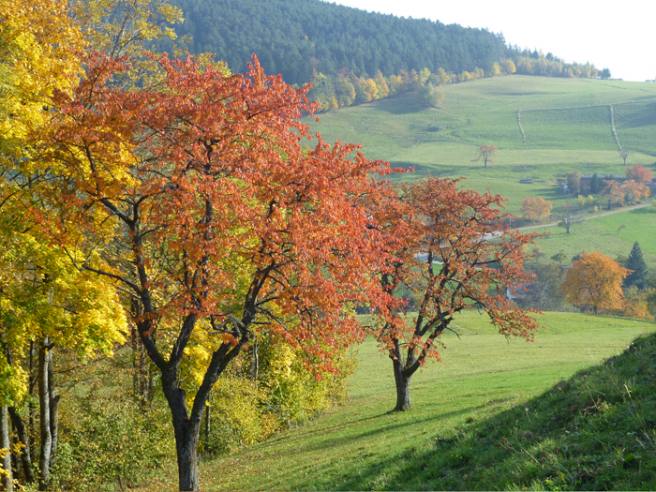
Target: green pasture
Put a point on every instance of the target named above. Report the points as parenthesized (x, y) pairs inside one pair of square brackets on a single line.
[(613, 235), (482, 377), (567, 127)]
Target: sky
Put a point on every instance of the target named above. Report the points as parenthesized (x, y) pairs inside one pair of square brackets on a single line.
[(617, 35)]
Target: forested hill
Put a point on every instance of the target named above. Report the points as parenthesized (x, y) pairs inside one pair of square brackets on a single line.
[(300, 37)]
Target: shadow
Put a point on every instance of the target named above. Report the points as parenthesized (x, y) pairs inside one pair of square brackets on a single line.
[(422, 170), (596, 431), (404, 104), (644, 211), (383, 429), (643, 114)]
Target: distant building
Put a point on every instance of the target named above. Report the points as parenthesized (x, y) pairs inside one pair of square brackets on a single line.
[(586, 184)]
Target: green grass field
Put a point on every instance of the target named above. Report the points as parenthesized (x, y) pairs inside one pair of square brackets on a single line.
[(567, 125), (612, 235), (482, 376)]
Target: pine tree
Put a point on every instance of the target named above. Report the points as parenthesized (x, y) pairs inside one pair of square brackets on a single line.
[(636, 263)]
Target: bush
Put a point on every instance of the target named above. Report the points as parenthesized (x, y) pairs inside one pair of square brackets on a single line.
[(287, 391), (238, 417), (108, 442)]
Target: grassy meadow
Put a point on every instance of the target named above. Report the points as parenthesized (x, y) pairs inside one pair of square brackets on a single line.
[(481, 378), (567, 128), (612, 234), (566, 122)]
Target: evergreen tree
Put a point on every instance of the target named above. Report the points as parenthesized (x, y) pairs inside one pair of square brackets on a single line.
[(636, 263), (299, 38), (595, 184)]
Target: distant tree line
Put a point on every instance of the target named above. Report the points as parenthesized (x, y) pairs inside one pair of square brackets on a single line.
[(353, 56)]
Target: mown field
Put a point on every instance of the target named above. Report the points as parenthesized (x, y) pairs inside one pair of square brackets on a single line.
[(566, 123), (613, 234), (567, 128), (482, 377)]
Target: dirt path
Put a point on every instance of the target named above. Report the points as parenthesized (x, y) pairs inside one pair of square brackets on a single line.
[(581, 218)]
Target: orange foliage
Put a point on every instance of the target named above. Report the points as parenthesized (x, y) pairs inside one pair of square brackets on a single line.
[(216, 220), (636, 304), (536, 208), (616, 194), (595, 282), (450, 249), (640, 174), (635, 191)]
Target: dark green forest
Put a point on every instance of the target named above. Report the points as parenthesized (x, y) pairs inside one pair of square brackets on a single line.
[(300, 37)]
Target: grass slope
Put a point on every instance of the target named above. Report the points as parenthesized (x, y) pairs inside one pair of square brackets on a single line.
[(614, 234), (596, 431), (478, 385), (567, 124)]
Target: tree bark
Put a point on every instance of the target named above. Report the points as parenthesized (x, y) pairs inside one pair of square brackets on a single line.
[(23, 438), (186, 432), (207, 429), (53, 399), (31, 408), (44, 415), (186, 446), (402, 387), (255, 363), (5, 445)]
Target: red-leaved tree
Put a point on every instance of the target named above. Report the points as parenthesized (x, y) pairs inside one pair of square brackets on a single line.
[(447, 250), (196, 191)]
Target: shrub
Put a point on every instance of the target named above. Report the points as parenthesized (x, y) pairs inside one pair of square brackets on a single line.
[(108, 441)]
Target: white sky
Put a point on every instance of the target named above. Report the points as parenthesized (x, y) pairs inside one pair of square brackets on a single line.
[(618, 35)]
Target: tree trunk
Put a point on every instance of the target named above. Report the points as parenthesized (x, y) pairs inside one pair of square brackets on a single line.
[(44, 415), (5, 445), (187, 432), (31, 407), (255, 362), (53, 399), (402, 387), (186, 447), (207, 429), (24, 439)]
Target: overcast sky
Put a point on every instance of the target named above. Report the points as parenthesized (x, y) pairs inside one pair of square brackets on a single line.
[(617, 35)]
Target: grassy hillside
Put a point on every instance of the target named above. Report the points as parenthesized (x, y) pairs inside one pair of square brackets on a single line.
[(481, 379), (567, 128), (595, 431), (614, 234), (566, 122)]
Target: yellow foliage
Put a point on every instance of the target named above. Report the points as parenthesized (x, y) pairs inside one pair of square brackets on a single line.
[(636, 304), (595, 281), (43, 295), (39, 54)]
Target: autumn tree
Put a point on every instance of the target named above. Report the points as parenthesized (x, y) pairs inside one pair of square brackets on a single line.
[(636, 304), (199, 199), (536, 209), (640, 174), (594, 282), (635, 191), (486, 153), (450, 249), (46, 305), (125, 27), (616, 194)]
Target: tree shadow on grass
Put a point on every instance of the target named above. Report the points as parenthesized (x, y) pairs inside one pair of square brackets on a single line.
[(596, 431), (383, 429), (404, 104)]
